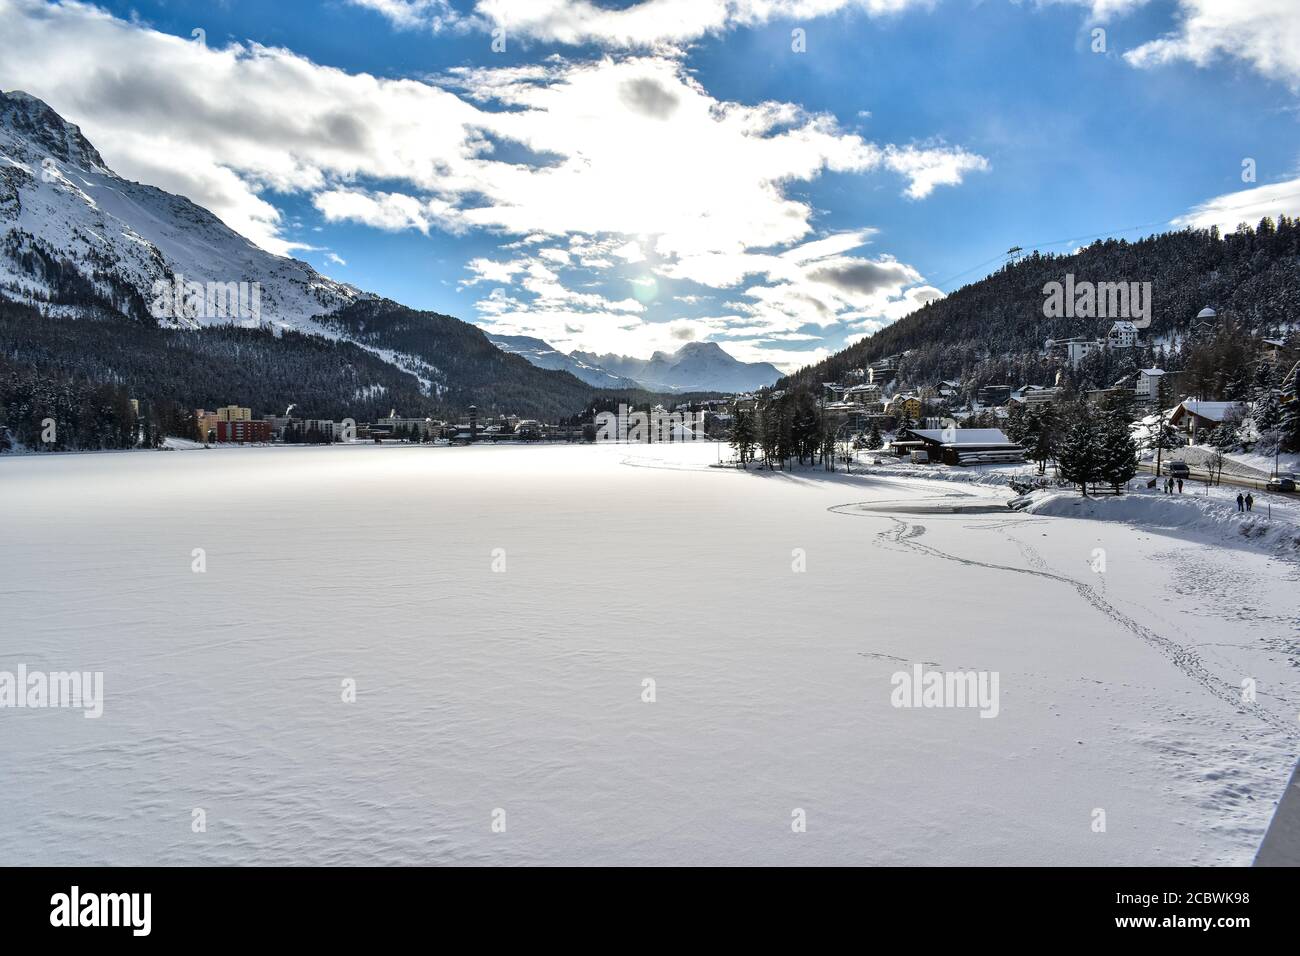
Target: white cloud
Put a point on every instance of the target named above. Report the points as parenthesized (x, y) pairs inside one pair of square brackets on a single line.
[(645, 24), (414, 14), (1264, 33), (928, 168), (628, 161), (388, 211), (221, 126), (1247, 205), (1100, 10)]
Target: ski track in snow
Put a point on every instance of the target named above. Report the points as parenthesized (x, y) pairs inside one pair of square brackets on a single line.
[(907, 533)]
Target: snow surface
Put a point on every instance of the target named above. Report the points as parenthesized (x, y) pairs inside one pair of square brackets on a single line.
[(522, 690), (1272, 524), (1264, 464)]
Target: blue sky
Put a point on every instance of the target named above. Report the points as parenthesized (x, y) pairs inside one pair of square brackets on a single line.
[(631, 176)]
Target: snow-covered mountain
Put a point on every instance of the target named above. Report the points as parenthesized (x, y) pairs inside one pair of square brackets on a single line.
[(696, 366), (76, 239), (544, 355), (61, 206)]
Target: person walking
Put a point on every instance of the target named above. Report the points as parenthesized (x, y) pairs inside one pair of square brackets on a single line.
[(1241, 502), (1250, 501), (1180, 486)]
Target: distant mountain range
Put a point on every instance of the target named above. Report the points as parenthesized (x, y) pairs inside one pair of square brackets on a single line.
[(696, 366), (544, 355), (187, 310)]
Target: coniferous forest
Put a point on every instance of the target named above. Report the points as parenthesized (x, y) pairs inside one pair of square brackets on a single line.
[(82, 373), (992, 331)]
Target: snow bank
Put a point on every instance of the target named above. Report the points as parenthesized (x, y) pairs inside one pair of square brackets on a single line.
[(1195, 516), (986, 475), (1264, 463)]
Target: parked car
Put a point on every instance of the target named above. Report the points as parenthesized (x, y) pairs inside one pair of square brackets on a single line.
[(1178, 469), (1281, 483)]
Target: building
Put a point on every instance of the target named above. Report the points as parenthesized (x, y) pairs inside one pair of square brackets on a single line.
[(1035, 394), (394, 424), (904, 406), (322, 428), (960, 446), (205, 422), (1204, 326), (1122, 335), (243, 431), (867, 396), (949, 389), (994, 395), (1073, 350), (1192, 416), (529, 429), (882, 372), (1147, 384), (1274, 351)]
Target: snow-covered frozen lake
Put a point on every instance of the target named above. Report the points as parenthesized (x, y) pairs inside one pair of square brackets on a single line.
[(499, 608)]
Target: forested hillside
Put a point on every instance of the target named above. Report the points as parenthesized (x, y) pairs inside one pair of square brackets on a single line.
[(466, 367), (81, 372), (992, 330)]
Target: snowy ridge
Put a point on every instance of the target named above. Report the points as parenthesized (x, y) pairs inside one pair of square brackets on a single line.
[(696, 366), (544, 355), (60, 203)]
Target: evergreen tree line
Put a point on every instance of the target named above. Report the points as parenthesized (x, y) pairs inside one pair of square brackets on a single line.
[(44, 412), (1090, 445), (991, 331), (170, 370), (791, 427)]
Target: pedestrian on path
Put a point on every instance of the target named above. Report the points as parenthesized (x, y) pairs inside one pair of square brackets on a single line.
[(1241, 502), (1180, 486), (1250, 501)]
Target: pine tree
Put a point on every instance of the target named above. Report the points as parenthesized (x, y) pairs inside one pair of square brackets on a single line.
[(1041, 432), (1119, 461), (743, 436), (1079, 453), (874, 441), (769, 432), (1289, 413), (1266, 412)]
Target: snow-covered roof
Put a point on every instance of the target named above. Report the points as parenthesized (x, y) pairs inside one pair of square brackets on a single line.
[(1152, 372), (1212, 411), (963, 436), (1206, 313), (1123, 326)]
